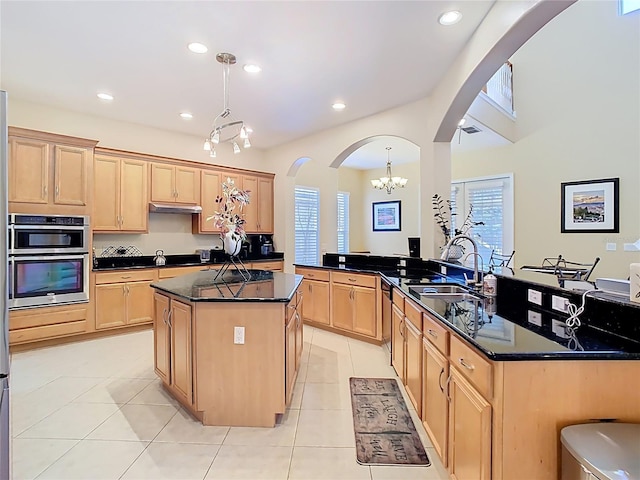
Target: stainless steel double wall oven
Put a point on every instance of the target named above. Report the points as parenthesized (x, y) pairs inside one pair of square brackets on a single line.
[(48, 260)]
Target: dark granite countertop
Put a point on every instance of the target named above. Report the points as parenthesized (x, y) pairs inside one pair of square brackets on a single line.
[(178, 260), (505, 330), (204, 287)]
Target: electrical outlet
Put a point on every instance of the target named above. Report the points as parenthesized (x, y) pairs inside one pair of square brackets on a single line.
[(559, 328), (534, 317), (443, 270), (611, 246), (560, 304), (238, 335), (341, 259), (534, 296), (403, 262)]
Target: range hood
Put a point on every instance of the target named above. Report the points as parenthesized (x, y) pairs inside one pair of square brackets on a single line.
[(174, 208)]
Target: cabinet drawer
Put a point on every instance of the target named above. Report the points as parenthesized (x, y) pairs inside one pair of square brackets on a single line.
[(472, 366), (369, 281), (398, 299), (414, 313), (22, 319), (125, 276), (47, 331), (435, 333), (273, 266), (314, 273), (170, 272)]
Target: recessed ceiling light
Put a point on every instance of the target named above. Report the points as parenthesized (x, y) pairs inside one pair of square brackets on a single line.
[(105, 96), (186, 115), (339, 106), (462, 122), (196, 47), (250, 68), (449, 18)]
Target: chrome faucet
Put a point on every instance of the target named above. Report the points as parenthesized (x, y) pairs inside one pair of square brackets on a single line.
[(445, 254)]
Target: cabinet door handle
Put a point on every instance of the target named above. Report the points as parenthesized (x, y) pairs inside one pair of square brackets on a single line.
[(169, 319), (44, 191), (440, 380), (124, 289), (125, 276), (164, 316), (352, 279), (310, 275), (468, 366), (57, 190), (433, 333), (310, 288), (446, 386), (128, 290), (401, 328), (121, 220)]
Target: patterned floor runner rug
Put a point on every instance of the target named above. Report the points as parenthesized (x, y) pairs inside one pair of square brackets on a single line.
[(385, 433)]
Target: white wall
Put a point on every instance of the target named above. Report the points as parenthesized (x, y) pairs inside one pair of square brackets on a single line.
[(577, 98), (353, 181)]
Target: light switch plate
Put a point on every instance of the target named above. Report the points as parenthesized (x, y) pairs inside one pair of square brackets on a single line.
[(611, 246), (559, 328), (534, 296)]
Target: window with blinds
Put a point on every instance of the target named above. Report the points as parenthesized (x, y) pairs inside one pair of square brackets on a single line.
[(307, 208), (343, 222), (492, 200)]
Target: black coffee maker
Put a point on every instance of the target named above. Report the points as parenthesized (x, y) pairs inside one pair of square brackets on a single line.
[(262, 245)]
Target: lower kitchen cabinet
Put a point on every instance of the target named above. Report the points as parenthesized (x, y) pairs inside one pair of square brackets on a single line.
[(173, 346), (43, 323), (397, 341), (435, 404), (123, 298), (356, 303), (315, 288), (293, 344), (469, 431), (413, 364)]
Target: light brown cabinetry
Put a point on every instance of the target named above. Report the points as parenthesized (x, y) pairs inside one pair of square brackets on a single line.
[(274, 266), (413, 363), (355, 303), (435, 404), (293, 344), (174, 184), (120, 186), (397, 341), (173, 346), (210, 189), (259, 213), (123, 298), (37, 324), (49, 173), (315, 287)]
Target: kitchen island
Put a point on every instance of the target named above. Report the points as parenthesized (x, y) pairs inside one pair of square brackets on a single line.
[(226, 349)]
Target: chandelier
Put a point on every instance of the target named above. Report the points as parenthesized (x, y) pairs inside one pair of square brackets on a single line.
[(389, 182), (225, 130)]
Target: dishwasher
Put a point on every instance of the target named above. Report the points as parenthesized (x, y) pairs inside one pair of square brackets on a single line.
[(385, 286)]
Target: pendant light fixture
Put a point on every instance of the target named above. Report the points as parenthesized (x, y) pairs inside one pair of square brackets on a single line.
[(223, 130), (389, 182)]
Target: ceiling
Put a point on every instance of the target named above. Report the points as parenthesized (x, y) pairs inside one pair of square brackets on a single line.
[(372, 55)]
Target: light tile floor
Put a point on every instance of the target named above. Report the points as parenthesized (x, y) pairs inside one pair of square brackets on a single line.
[(96, 410)]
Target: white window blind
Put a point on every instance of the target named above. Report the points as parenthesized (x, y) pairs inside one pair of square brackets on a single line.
[(307, 206), (343, 222), (492, 200)]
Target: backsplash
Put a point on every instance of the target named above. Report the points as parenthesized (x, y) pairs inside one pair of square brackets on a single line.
[(168, 232)]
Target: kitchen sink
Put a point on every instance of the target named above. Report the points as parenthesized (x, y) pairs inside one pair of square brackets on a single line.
[(438, 289)]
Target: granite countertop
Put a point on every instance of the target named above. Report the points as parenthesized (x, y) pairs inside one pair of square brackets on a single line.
[(178, 260), (504, 330), (204, 287)]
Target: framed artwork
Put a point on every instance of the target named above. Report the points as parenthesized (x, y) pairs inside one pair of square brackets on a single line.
[(386, 216), (590, 206)]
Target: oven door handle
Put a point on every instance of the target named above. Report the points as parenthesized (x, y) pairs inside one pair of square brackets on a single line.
[(75, 228), (22, 258)]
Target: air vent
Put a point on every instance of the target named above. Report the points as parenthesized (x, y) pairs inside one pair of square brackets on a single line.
[(471, 129)]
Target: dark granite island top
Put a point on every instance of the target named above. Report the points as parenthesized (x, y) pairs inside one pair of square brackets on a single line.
[(264, 286)]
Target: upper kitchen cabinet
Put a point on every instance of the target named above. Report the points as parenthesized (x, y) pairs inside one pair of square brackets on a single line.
[(174, 184), (259, 213), (120, 186), (210, 188), (49, 173)]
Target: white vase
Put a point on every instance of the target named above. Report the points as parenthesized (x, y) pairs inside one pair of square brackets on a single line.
[(232, 243)]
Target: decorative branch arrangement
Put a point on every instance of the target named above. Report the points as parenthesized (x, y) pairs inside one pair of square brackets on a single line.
[(226, 219), (444, 214)]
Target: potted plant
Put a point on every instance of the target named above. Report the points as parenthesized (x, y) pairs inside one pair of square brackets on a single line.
[(443, 215), (230, 222)]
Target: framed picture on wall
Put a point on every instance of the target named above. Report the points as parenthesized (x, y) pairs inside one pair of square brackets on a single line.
[(590, 206), (386, 216)]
